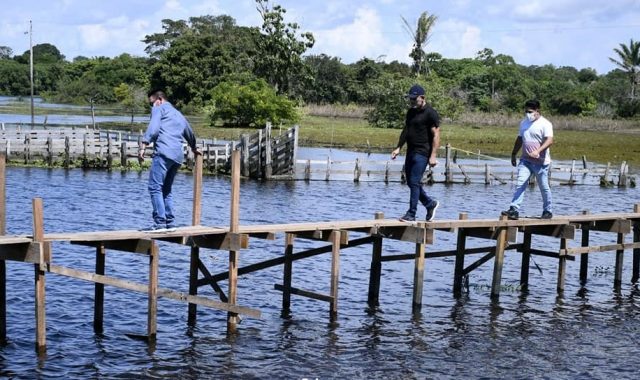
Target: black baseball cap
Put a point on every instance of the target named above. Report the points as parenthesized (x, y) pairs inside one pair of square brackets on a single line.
[(415, 91)]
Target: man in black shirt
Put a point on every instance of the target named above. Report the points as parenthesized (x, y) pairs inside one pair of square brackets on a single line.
[(421, 133)]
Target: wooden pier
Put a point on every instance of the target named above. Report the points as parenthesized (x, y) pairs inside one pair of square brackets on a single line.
[(501, 235)]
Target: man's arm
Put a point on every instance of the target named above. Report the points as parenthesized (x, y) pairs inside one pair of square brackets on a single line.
[(401, 141), (547, 142), (435, 145), (516, 148)]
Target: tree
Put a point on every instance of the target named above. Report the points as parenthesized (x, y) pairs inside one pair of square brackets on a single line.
[(280, 50), (132, 98), (42, 53), (420, 37), (629, 62), (252, 104), (5, 52)]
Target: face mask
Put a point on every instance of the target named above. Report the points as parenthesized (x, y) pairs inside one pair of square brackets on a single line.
[(530, 116)]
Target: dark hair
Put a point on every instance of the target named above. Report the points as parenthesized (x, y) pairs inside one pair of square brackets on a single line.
[(157, 93), (533, 104)]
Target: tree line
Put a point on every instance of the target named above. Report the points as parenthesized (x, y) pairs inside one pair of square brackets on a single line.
[(245, 76)]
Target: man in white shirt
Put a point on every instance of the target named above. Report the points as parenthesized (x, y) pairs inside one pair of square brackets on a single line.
[(535, 138)]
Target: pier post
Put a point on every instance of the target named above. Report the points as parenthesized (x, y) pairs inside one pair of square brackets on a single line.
[(98, 303), (636, 251), (526, 260), (39, 269), (584, 258), (152, 308), (3, 264), (448, 174), (195, 251), (418, 278), (460, 251), (335, 273), (376, 268), (232, 318), (562, 266), (617, 278), (499, 259), (287, 276)]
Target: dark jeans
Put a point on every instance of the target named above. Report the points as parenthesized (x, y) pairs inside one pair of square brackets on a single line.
[(163, 172), (414, 167)]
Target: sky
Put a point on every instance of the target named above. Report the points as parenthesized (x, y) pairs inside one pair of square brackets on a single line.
[(578, 33)]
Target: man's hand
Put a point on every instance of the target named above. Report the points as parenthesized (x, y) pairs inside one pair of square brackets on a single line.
[(534, 154), (395, 153), (197, 152), (141, 155), (433, 161), (513, 160)]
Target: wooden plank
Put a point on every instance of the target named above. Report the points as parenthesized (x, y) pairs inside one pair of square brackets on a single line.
[(617, 278), (584, 241), (335, 274), (152, 306), (562, 267), (413, 234), (39, 271), (501, 243), (461, 243), (227, 242), (323, 235), (418, 278), (233, 318), (375, 271), (287, 274), (193, 284), (620, 226), (599, 248), (491, 233), (98, 300), (31, 252), (526, 259), (130, 245), (565, 231), (306, 293), (196, 212)]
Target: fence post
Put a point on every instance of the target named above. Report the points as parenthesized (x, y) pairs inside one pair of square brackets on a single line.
[(244, 140), (356, 171), (386, 172), (27, 148), (487, 174), (123, 154), (573, 165), (326, 177), (584, 162), (67, 153), (307, 171), (448, 175), (109, 150), (50, 151), (268, 169), (622, 178)]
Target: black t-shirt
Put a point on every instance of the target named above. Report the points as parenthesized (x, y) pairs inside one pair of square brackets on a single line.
[(417, 130)]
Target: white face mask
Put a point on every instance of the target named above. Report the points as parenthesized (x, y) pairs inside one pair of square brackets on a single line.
[(530, 116)]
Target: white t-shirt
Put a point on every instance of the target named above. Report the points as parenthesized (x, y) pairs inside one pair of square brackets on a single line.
[(533, 134)]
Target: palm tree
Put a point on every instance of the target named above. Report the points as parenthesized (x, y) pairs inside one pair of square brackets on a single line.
[(629, 62), (420, 38)]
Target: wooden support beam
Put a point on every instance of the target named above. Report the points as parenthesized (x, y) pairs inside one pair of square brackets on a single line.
[(619, 226), (3, 265), (636, 251), (617, 278), (565, 231), (492, 233), (598, 248), (335, 274), (128, 245), (553, 255), (287, 275), (584, 259), (306, 293), (196, 212), (459, 264), (418, 278), (152, 307), (234, 221), (143, 288), (562, 267), (194, 260), (230, 241), (479, 262), (324, 235), (208, 280), (408, 233), (526, 260), (39, 270), (28, 252), (376, 268), (98, 291), (501, 243)]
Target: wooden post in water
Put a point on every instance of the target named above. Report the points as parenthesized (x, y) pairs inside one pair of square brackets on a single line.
[(288, 274), (501, 242), (268, 165), (195, 251), (571, 179), (232, 318), (376, 268), (584, 258), (326, 177), (356, 171), (418, 277), (562, 266), (526, 260), (460, 251), (123, 154), (584, 162), (67, 152), (335, 273), (152, 307), (487, 174), (3, 264), (617, 277), (98, 302), (244, 141), (636, 251), (39, 269), (27, 148), (448, 174), (622, 178), (49, 151)]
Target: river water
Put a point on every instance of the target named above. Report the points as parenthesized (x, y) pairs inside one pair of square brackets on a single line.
[(589, 332)]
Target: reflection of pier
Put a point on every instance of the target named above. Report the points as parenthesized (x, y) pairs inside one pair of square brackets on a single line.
[(499, 235)]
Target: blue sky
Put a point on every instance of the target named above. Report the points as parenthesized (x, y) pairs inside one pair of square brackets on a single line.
[(578, 33)]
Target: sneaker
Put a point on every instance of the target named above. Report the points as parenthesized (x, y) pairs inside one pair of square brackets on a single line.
[(408, 218), (547, 215), (431, 210), (153, 227), (511, 213)]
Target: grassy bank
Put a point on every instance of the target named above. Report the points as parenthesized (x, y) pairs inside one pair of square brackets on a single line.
[(352, 133)]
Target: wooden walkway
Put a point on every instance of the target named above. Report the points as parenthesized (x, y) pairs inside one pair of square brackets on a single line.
[(40, 249)]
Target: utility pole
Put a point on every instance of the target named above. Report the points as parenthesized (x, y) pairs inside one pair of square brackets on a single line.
[(31, 69)]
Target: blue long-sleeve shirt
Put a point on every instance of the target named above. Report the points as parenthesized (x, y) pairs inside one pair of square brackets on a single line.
[(166, 130)]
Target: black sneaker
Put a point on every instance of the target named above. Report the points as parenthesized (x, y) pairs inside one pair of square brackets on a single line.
[(547, 215), (408, 218), (511, 213), (431, 210)]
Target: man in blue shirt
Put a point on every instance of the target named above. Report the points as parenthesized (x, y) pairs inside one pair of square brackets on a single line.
[(166, 130)]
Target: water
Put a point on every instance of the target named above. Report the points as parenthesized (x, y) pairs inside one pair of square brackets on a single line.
[(588, 333)]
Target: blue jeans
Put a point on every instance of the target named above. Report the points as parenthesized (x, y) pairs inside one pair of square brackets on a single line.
[(414, 167), (163, 172), (525, 170)]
